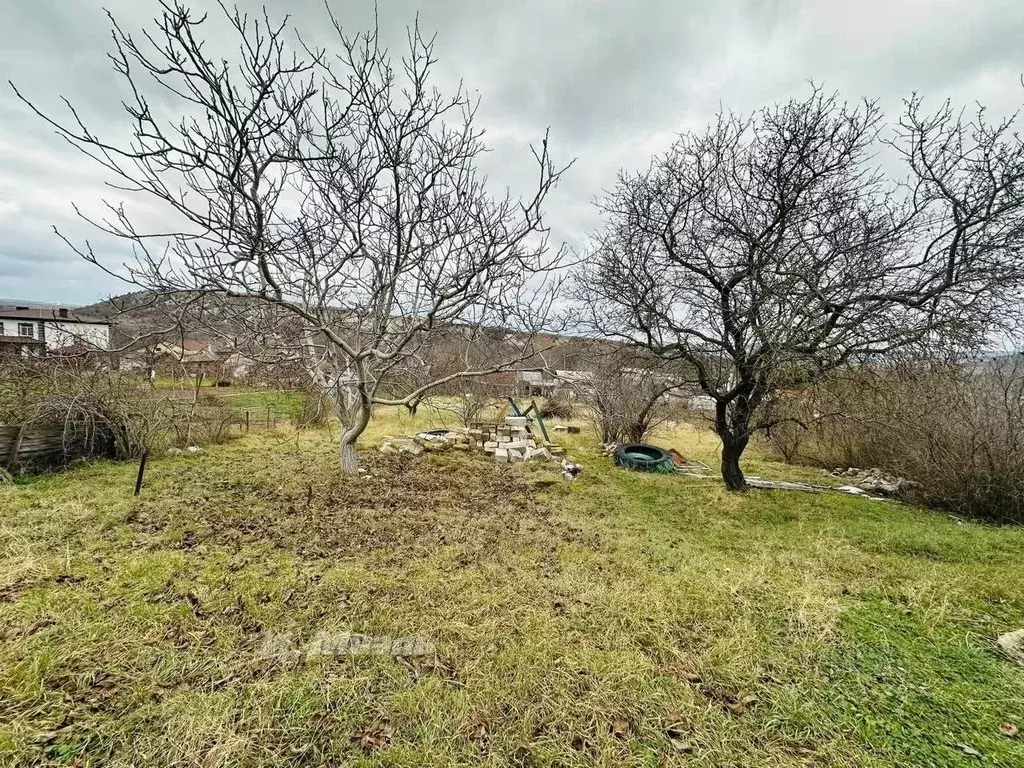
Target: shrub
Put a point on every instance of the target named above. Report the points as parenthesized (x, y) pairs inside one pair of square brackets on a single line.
[(556, 408), (957, 431), (313, 410)]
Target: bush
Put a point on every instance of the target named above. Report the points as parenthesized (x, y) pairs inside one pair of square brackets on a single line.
[(957, 431), (556, 408), (629, 397), (314, 410), (96, 411)]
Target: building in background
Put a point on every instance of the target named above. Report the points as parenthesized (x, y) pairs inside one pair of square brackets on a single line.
[(52, 329)]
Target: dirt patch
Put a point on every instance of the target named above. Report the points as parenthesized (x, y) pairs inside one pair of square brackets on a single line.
[(406, 507)]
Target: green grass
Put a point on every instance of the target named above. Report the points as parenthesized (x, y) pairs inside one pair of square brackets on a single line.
[(624, 619)]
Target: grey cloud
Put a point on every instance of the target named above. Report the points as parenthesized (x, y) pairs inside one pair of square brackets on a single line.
[(615, 81)]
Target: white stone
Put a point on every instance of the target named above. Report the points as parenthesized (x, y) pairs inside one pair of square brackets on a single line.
[(1012, 644), (501, 456), (516, 421)]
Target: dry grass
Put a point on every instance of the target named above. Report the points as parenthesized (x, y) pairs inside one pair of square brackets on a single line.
[(624, 619)]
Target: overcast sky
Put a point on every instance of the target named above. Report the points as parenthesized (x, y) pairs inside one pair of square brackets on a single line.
[(615, 81)]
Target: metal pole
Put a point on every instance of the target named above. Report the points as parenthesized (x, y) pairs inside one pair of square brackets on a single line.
[(142, 470)]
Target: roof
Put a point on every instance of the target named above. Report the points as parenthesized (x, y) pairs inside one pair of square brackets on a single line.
[(49, 314), (196, 345)]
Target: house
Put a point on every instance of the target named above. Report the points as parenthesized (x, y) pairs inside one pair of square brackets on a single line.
[(36, 329)]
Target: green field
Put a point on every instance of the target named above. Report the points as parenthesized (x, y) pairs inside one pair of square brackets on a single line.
[(619, 620)]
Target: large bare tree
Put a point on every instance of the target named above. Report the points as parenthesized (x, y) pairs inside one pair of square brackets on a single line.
[(339, 191), (770, 249)]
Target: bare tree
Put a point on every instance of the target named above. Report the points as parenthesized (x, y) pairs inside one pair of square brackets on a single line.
[(339, 192), (769, 250)]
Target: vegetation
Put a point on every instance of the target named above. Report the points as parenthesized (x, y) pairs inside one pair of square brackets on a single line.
[(955, 431), (333, 195), (623, 619), (770, 250)]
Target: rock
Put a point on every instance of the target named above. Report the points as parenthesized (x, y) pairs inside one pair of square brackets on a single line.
[(876, 481), (194, 449), (501, 455), (401, 445), (172, 451), (516, 421), (538, 454), (1012, 646), (559, 428)]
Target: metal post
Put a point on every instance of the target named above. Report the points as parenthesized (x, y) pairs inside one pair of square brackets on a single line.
[(246, 421), (540, 421), (142, 470)]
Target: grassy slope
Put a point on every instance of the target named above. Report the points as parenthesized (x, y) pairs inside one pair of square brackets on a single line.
[(624, 620)]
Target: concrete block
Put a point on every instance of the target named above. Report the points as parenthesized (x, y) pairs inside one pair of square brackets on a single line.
[(516, 421), (501, 456)]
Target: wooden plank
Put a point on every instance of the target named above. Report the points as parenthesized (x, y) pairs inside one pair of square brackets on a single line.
[(12, 453)]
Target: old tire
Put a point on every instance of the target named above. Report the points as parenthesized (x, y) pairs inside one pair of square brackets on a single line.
[(643, 458)]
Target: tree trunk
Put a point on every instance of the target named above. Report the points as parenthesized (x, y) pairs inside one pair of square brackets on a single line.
[(348, 458), (732, 449), (732, 423)]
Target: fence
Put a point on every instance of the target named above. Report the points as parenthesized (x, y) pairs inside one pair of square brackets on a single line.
[(34, 447)]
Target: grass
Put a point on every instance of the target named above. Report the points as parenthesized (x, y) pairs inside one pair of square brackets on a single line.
[(622, 619)]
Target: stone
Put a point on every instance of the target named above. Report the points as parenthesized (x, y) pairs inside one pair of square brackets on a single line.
[(492, 444), (1012, 646), (559, 428), (504, 439), (501, 456), (194, 449), (516, 445), (538, 454), (516, 421), (400, 445)]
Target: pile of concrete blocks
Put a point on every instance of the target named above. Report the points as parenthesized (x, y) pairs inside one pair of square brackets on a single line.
[(510, 441)]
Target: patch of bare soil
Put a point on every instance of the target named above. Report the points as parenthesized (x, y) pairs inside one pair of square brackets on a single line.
[(406, 507)]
